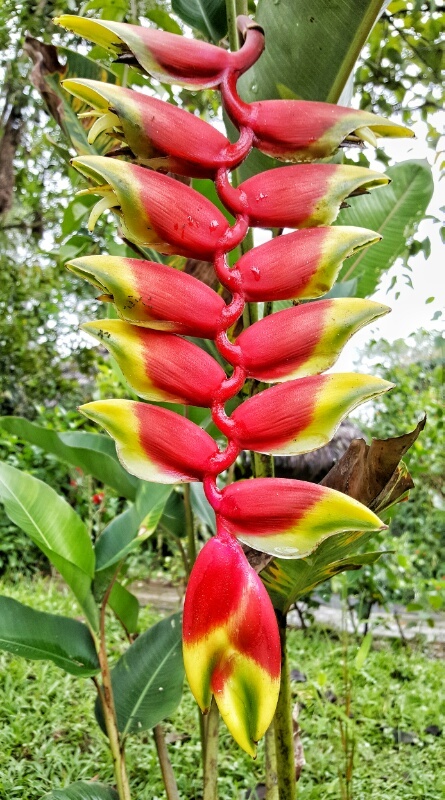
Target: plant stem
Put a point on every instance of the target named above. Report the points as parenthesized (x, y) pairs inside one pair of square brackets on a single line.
[(168, 776), (271, 765), (232, 12), (109, 711), (211, 759), (189, 527), (287, 783)]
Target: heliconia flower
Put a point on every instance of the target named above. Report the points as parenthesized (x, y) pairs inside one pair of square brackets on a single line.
[(300, 265), (231, 642), (150, 128), (304, 130), (303, 340), (156, 210), (168, 56), (300, 196), (153, 295), (290, 518), (160, 366), (301, 415), (152, 443)]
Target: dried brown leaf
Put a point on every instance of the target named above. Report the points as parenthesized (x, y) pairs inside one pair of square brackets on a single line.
[(373, 473)]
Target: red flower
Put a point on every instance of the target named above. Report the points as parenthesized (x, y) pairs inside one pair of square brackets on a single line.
[(98, 498)]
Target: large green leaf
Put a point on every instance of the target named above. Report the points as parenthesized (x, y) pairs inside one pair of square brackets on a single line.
[(201, 507), (53, 526), (394, 213), (311, 48), (40, 636), (83, 791), (208, 16), (310, 52), (94, 453), (287, 580), (121, 535), (147, 680)]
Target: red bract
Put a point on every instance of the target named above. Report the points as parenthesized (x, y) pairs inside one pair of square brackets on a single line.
[(289, 518), (301, 415), (303, 340), (156, 210), (152, 443), (300, 265), (231, 641), (299, 196), (160, 366), (150, 128), (167, 56), (153, 295), (302, 130)]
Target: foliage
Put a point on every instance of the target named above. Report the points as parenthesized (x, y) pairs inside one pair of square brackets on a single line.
[(400, 64), (37, 294), (413, 575), (44, 741)]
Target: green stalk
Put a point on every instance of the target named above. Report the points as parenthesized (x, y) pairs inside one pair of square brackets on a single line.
[(233, 9), (211, 759), (231, 24), (168, 776), (109, 711), (271, 765), (287, 783)]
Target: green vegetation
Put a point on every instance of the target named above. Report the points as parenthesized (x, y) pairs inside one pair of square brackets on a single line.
[(388, 708), (48, 738)]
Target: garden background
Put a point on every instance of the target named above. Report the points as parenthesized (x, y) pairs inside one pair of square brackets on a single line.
[(371, 705)]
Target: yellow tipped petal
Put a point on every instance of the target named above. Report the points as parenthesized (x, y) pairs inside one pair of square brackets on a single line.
[(109, 201), (103, 124), (367, 135)]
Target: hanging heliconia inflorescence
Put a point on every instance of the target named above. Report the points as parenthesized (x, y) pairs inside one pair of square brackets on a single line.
[(230, 634)]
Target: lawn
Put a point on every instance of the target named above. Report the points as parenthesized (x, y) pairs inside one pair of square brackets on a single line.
[(48, 736)]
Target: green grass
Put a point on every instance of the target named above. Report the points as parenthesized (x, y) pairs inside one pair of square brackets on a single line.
[(49, 738)]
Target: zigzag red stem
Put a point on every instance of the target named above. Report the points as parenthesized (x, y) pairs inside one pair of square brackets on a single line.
[(231, 280)]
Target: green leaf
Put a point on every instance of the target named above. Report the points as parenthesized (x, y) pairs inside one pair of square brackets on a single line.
[(163, 20), (121, 535), (94, 453), (40, 636), (394, 213), (125, 606), (310, 53), (147, 680), (83, 791), (201, 507), (363, 651), (287, 580), (208, 16), (311, 48), (343, 289), (53, 526)]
